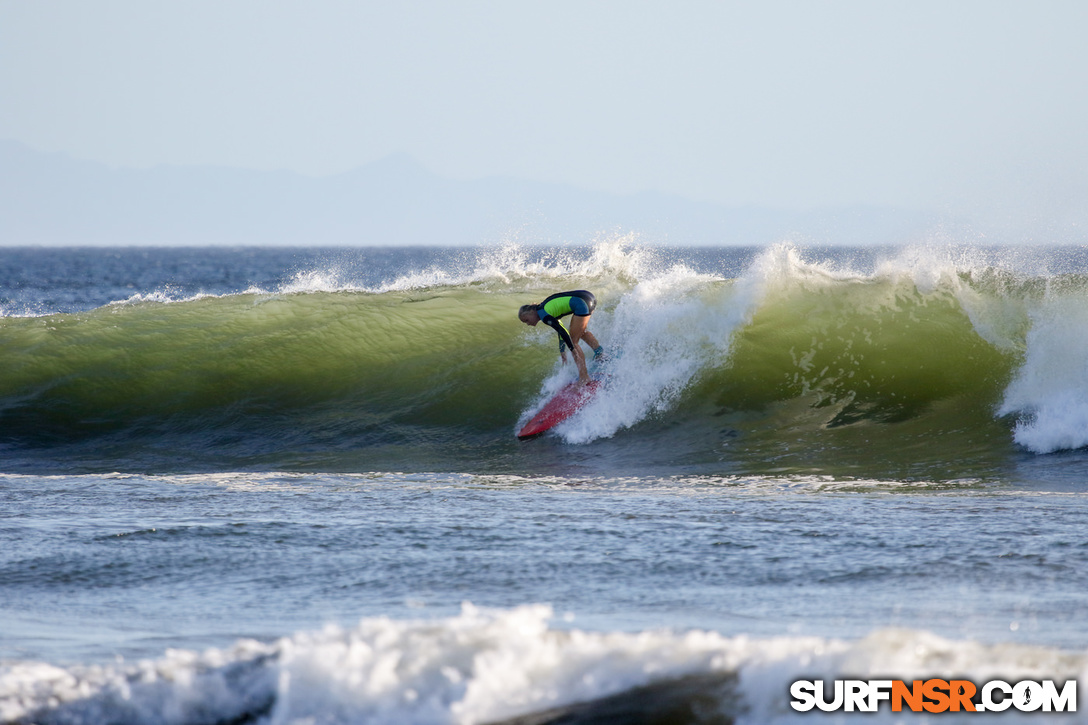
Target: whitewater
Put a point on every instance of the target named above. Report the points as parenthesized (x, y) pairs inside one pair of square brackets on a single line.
[(283, 486)]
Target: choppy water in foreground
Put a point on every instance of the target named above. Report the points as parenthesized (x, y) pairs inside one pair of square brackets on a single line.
[(283, 485)]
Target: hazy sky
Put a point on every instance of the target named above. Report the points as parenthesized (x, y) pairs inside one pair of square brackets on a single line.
[(798, 104)]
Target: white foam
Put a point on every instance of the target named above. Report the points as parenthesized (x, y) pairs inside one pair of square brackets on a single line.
[(486, 665), (166, 297), (996, 316), (610, 258), (317, 280), (663, 333), (615, 257), (675, 323), (1050, 391)]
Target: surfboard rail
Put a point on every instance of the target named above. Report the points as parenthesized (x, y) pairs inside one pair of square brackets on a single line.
[(568, 401)]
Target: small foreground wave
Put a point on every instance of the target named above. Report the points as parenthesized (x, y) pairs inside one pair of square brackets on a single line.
[(493, 666)]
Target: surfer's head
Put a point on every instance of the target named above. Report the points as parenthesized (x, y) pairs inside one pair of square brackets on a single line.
[(529, 315)]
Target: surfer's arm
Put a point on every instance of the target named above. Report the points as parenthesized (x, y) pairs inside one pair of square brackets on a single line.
[(564, 336)]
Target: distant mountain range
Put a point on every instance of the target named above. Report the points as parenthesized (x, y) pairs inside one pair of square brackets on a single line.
[(51, 199)]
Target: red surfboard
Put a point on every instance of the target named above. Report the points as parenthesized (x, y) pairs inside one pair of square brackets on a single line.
[(562, 405)]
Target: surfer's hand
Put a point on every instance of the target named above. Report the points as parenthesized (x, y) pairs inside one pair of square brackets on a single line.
[(563, 354)]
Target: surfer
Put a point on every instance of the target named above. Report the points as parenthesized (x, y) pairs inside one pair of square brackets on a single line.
[(580, 305)]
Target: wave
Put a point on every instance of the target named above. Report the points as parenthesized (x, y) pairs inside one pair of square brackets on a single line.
[(500, 666), (788, 358)]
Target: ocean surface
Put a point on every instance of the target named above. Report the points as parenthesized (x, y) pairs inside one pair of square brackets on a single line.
[(278, 486)]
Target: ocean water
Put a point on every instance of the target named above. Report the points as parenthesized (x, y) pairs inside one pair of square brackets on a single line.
[(283, 485)]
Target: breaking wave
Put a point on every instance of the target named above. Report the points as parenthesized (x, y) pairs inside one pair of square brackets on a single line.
[(783, 360), (499, 666)]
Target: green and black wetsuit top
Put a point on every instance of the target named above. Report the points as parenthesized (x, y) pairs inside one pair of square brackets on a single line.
[(579, 303)]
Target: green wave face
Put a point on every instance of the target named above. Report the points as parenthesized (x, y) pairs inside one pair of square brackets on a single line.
[(787, 368), (877, 352), (865, 374), (397, 357)]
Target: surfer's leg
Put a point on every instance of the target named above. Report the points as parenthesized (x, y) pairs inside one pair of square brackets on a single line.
[(590, 339), (577, 330), (578, 324), (582, 309)]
